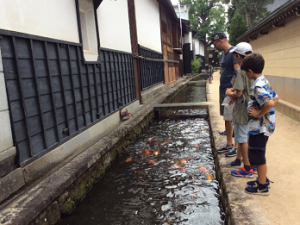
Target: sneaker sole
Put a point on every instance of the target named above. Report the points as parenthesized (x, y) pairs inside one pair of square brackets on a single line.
[(230, 155), (269, 186), (237, 166), (242, 176), (258, 193), (222, 151)]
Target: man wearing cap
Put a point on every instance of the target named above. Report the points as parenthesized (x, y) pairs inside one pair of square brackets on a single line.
[(229, 66), (240, 94)]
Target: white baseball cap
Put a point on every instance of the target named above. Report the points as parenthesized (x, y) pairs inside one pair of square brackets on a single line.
[(242, 48)]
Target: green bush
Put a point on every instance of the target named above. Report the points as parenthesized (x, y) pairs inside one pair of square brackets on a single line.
[(196, 64)]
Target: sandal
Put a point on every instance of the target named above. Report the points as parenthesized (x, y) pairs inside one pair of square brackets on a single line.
[(222, 133)]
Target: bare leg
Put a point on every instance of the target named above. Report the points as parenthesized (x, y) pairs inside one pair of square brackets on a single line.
[(262, 173), (239, 153), (229, 130), (244, 153)]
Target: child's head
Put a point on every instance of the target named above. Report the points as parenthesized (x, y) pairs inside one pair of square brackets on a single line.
[(241, 50), (253, 65)]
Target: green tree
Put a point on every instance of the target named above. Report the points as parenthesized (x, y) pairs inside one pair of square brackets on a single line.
[(206, 16), (196, 64), (237, 27), (252, 10)]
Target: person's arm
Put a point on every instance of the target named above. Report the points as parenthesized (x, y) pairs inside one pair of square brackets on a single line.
[(236, 66), (276, 100), (233, 93), (266, 108)]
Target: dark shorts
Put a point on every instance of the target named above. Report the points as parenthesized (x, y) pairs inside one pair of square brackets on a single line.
[(257, 149), (221, 98)]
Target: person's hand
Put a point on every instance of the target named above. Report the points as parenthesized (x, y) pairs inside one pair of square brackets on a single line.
[(231, 101), (229, 91), (254, 112)]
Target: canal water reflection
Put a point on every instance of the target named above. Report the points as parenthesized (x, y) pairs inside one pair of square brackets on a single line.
[(165, 177)]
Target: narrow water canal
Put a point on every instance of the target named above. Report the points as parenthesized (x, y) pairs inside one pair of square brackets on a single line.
[(165, 177)]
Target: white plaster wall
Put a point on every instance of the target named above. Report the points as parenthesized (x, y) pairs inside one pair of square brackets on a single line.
[(184, 11), (188, 39), (113, 25), (196, 47), (54, 19), (201, 48), (148, 24)]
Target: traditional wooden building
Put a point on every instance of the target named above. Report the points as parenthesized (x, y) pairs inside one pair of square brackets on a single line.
[(277, 38)]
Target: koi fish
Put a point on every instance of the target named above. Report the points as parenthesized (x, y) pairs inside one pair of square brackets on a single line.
[(150, 139), (153, 162), (182, 168), (202, 168), (129, 159), (209, 176), (166, 142), (185, 160), (196, 146), (156, 153), (146, 152)]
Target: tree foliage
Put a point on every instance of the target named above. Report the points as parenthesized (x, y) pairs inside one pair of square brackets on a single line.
[(237, 27), (252, 10), (195, 65), (206, 16)]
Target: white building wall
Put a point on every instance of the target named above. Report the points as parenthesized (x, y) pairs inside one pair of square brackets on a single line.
[(201, 48), (113, 25), (196, 46), (148, 24), (188, 39), (53, 19), (184, 11)]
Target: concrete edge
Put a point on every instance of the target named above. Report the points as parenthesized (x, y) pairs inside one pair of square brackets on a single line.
[(34, 201), (234, 199), (7, 162), (288, 109)]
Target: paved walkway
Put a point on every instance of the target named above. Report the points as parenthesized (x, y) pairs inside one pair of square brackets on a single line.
[(282, 206)]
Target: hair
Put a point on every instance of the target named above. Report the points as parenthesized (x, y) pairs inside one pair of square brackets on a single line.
[(254, 62), (243, 56)]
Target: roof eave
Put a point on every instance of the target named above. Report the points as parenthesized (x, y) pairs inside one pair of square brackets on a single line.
[(276, 18)]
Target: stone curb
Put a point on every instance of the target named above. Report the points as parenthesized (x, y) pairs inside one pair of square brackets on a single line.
[(233, 197)]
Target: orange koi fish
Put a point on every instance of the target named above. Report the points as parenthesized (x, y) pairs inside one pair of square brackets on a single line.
[(146, 152), (185, 160), (182, 168), (150, 139), (209, 176), (153, 162), (129, 159), (202, 168), (196, 146), (166, 142), (156, 153)]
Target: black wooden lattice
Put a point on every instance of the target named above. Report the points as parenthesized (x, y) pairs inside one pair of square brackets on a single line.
[(152, 72), (54, 95)]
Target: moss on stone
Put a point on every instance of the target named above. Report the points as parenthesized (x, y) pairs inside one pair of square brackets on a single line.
[(67, 207)]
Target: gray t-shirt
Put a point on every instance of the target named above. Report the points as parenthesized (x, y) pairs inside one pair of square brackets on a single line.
[(242, 83)]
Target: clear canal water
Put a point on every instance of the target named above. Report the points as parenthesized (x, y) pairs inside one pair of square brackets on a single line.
[(165, 177), (192, 93)]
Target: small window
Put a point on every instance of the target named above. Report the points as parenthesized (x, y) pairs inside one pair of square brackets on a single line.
[(88, 30)]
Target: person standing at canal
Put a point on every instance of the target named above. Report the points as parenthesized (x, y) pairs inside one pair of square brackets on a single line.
[(210, 71), (261, 120), (240, 94), (229, 66)]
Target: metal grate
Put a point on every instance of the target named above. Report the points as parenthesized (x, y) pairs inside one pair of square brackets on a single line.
[(152, 72), (54, 95)]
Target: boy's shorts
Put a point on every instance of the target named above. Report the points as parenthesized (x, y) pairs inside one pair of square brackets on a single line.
[(221, 98), (240, 132), (257, 149)]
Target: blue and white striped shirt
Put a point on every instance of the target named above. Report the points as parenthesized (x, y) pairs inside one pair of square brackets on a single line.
[(260, 93)]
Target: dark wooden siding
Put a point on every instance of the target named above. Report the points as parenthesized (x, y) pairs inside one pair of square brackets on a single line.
[(187, 58), (152, 72), (54, 95)]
